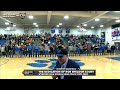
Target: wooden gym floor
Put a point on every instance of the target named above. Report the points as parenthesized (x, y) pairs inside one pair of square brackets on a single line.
[(11, 68)]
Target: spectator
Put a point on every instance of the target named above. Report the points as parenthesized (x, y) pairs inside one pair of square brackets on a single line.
[(30, 48), (113, 49), (3, 50)]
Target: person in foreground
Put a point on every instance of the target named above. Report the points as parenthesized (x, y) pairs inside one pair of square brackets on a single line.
[(65, 62)]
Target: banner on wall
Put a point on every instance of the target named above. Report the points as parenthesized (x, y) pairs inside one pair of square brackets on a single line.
[(41, 31), (81, 29), (115, 33), (67, 30), (52, 30), (60, 30), (103, 36), (34, 30), (10, 28), (26, 30)]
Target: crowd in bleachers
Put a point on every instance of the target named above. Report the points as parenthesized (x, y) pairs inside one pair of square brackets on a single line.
[(39, 45)]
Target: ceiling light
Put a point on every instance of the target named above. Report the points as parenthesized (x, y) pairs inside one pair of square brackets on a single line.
[(30, 17), (14, 25), (78, 26), (57, 25), (6, 23), (97, 19), (66, 17), (60, 23), (101, 25), (84, 24), (116, 11), (92, 27), (34, 23), (117, 20)]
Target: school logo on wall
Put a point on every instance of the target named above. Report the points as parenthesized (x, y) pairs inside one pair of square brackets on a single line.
[(52, 62)]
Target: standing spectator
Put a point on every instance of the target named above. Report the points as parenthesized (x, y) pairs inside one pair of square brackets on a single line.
[(42, 49), (30, 50), (25, 51), (78, 50), (81, 49), (103, 49), (74, 50), (11, 51), (3, 50), (99, 49), (20, 50), (85, 49), (6, 50), (55, 49), (117, 49), (37, 51), (70, 50), (96, 49), (89, 49), (51, 52), (33, 49), (113, 49), (108, 49), (17, 50)]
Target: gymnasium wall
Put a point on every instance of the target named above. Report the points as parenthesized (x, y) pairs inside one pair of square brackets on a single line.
[(107, 31), (88, 32), (20, 31), (17, 31)]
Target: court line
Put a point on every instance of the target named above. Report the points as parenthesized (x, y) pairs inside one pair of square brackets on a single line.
[(5, 62)]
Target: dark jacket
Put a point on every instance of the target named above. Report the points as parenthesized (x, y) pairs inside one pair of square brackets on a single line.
[(7, 48), (112, 47), (70, 64)]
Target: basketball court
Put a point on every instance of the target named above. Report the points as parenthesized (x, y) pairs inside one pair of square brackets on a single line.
[(106, 68), (101, 23)]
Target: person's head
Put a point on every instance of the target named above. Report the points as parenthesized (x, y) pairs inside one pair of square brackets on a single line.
[(29, 44), (62, 55)]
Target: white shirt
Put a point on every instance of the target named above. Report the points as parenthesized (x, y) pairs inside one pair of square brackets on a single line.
[(64, 66), (2, 49)]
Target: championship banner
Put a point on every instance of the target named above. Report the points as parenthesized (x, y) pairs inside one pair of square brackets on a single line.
[(60, 30), (103, 36), (53, 30), (68, 30)]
